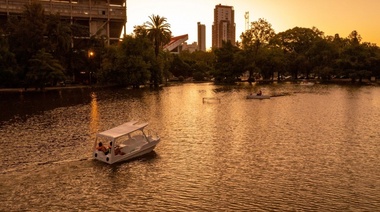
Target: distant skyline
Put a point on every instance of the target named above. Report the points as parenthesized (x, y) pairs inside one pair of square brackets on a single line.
[(331, 17)]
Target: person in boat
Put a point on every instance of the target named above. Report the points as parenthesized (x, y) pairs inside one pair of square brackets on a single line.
[(259, 93), (117, 149), (102, 148)]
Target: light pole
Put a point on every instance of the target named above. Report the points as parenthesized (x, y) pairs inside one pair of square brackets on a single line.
[(90, 56)]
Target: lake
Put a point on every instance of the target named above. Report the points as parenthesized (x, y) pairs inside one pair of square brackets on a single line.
[(311, 148)]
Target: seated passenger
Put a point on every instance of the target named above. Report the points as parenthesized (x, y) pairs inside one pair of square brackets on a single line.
[(259, 93), (102, 148), (117, 149)]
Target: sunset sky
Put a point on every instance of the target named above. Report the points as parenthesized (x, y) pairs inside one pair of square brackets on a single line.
[(329, 16)]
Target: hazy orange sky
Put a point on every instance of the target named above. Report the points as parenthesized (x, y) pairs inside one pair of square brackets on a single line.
[(329, 16)]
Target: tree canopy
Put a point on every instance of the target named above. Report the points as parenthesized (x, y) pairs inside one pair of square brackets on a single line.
[(37, 49)]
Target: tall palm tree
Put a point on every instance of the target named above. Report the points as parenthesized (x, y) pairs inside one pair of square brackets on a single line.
[(158, 32)]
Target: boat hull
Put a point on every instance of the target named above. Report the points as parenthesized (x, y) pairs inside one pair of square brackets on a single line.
[(126, 141), (144, 150), (139, 151)]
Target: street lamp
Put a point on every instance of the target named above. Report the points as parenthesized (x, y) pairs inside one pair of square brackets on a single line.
[(91, 55)]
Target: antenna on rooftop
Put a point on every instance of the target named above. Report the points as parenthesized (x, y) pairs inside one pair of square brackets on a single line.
[(246, 16)]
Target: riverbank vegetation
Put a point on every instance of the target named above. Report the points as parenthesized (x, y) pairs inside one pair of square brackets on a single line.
[(38, 50)]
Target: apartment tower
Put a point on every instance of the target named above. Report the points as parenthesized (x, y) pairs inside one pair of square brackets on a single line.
[(224, 27), (201, 37)]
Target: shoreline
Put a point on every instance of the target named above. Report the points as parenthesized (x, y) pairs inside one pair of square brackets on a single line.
[(33, 90)]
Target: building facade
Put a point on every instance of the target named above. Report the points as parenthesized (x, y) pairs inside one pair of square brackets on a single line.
[(190, 47), (223, 28), (201, 37), (102, 17)]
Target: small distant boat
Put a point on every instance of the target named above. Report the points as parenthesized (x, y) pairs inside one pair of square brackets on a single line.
[(255, 96), (124, 142), (307, 83)]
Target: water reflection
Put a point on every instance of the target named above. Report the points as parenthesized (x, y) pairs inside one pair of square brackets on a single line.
[(94, 116), (21, 105), (314, 149)]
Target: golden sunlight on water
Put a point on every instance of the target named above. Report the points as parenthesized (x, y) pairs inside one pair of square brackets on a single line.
[(94, 117), (312, 149)]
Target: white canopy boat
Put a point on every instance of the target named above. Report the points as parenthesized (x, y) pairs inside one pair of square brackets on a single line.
[(124, 142), (255, 96)]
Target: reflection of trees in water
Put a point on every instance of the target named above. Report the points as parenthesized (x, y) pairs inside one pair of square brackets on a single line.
[(24, 104)]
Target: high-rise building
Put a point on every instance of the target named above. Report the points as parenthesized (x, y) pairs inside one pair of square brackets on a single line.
[(102, 17), (201, 37), (224, 28)]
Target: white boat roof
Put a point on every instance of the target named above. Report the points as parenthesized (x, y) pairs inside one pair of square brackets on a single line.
[(121, 130)]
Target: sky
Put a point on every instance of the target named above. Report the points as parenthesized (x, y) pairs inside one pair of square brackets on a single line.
[(329, 16)]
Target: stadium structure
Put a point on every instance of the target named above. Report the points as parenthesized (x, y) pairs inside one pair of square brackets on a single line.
[(105, 18)]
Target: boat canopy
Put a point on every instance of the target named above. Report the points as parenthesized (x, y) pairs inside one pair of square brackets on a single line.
[(122, 130)]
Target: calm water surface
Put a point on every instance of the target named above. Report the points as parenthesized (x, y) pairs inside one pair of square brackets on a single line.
[(316, 148)]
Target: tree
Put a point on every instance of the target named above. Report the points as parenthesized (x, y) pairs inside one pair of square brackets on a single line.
[(179, 67), (8, 65), (374, 59), (227, 69), (355, 60), (128, 63), (354, 38), (270, 60), (43, 69), (27, 35), (203, 64), (166, 60), (108, 72), (59, 33), (296, 40), (34, 31), (158, 31), (197, 64), (59, 37), (260, 33), (140, 31), (323, 54), (253, 40), (296, 43), (358, 60)]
